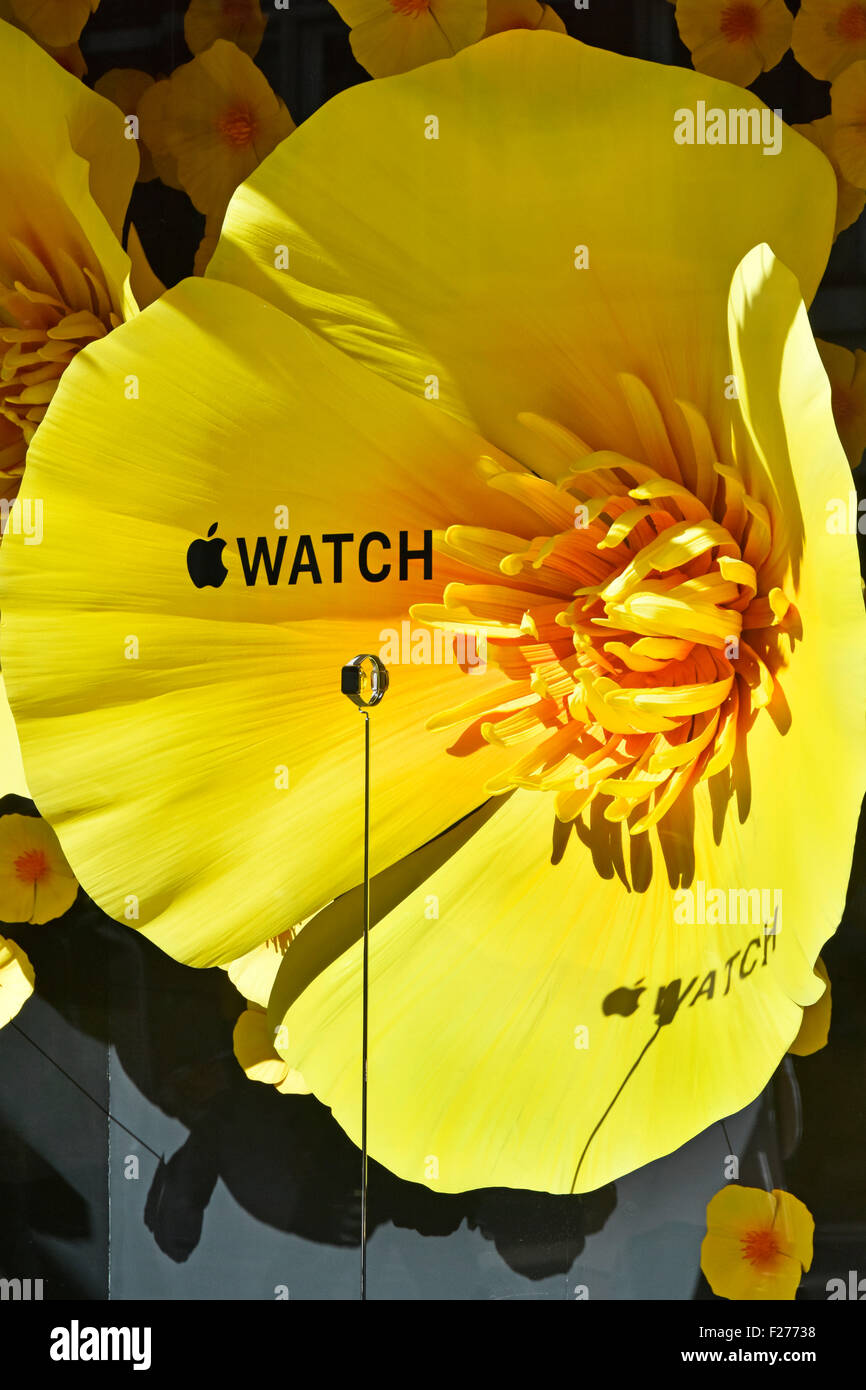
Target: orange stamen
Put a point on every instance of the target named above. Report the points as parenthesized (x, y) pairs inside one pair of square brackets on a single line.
[(31, 866), (760, 1248), (851, 24), (740, 22), (238, 127)]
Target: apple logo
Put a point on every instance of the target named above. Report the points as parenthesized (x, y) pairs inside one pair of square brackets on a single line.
[(204, 560), (623, 1000)]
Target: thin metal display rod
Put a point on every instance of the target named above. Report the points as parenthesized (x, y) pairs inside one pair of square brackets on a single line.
[(364, 1000)]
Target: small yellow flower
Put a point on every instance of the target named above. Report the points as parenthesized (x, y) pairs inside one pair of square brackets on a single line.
[(757, 1244), (848, 103), (521, 14), (216, 118), (815, 1028), (54, 23), (390, 36), (125, 87), (254, 1048), (36, 883), (847, 373), (829, 35), (239, 21), (16, 980), (734, 39), (850, 199)]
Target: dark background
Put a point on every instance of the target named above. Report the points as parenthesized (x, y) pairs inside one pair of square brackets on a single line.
[(257, 1190)]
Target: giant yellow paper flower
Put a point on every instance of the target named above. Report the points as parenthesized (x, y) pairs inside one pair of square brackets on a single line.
[(610, 414), (68, 173), (757, 1244), (390, 36)]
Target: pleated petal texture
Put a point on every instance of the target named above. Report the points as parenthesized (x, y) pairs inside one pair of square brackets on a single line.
[(528, 322), (519, 224), (191, 745), (543, 1011)]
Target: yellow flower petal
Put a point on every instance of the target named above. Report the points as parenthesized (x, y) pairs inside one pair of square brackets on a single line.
[(293, 1084), (217, 670), (847, 373), (16, 980), (815, 1028), (851, 200), (253, 974), (521, 14), (215, 119), (390, 36), (208, 243), (156, 116), (848, 98), (14, 780), (507, 1091), (374, 252), (146, 286), (828, 35), (757, 1243), (70, 58), (735, 39), (240, 21), (254, 1049), (36, 883), (54, 23), (125, 87)]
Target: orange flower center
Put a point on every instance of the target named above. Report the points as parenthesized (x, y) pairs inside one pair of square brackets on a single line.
[(410, 6), (740, 22), (851, 24), (238, 127), (31, 866), (760, 1248), (52, 308), (638, 632)]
